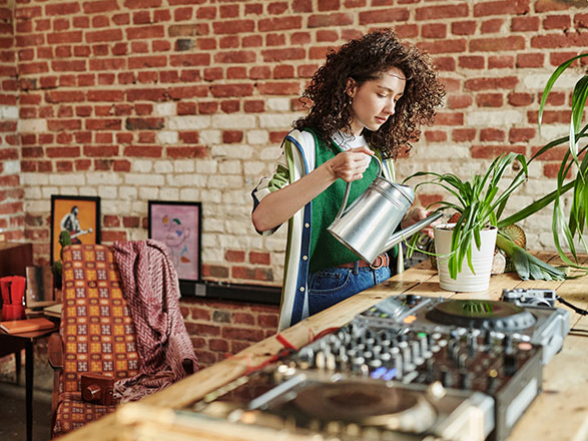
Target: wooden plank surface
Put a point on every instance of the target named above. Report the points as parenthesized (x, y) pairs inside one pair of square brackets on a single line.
[(559, 414)]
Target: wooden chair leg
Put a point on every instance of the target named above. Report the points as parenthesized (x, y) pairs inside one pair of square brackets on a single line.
[(18, 363)]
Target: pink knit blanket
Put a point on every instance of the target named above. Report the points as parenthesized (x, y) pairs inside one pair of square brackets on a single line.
[(151, 289)]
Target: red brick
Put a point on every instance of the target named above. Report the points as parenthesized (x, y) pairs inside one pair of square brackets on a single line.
[(435, 136), (471, 62), (106, 35), (100, 151), (242, 318), (505, 7), (186, 152), (202, 329), (521, 134), (275, 40), (384, 16), (260, 258), (489, 100), (557, 22), (190, 60), (143, 151), (232, 136), (463, 135), (443, 46), (434, 30), (525, 24), (449, 119), (233, 26), (233, 333), (500, 62), (550, 117), (551, 170), (270, 55), (559, 41), (95, 7), (279, 23), (235, 256), (530, 60), (550, 5), (488, 135), (64, 37), (62, 8), (218, 345), (268, 321), (235, 57), (111, 221), (491, 26), (519, 99), (479, 84), (491, 152), (463, 27), (302, 5), (279, 88), (581, 20), (497, 44), (333, 19), (440, 12), (207, 108), (555, 59), (257, 106)]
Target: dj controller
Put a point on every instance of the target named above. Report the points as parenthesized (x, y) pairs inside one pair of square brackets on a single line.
[(409, 368)]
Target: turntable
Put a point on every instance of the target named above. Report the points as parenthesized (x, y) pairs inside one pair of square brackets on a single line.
[(546, 327), (349, 408)]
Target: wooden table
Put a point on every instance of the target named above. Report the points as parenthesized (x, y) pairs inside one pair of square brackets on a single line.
[(560, 413), (28, 339)]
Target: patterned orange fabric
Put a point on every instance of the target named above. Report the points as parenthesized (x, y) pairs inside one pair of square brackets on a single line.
[(97, 330)]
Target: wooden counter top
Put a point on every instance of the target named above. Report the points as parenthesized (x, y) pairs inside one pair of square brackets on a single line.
[(560, 413)]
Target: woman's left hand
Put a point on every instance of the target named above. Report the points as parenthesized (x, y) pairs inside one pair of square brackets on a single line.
[(417, 214)]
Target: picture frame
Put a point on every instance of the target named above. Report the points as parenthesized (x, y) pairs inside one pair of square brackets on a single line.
[(80, 215), (179, 226)]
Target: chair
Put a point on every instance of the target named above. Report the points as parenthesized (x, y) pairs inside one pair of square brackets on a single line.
[(97, 334)]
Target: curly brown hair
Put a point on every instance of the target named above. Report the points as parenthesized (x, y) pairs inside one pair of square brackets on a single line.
[(366, 59)]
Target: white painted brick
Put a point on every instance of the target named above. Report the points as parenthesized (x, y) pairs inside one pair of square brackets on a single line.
[(144, 180), (212, 255), (237, 227), (148, 193), (278, 104), (538, 81), (139, 207), (238, 242), (225, 181), (256, 169), (67, 179), (209, 241), (210, 196), (84, 191), (128, 193), (33, 193), (238, 197), (233, 122), (165, 109), (258, 137), (38, 206), (186, 180), (184, 166), (189, 194), (206, 166), (137, 234), (8, 112), (278, 121), (189, 122), (213, 225), (232, 151), (141, 166), (108, 192), (169, 194), (167, 137), (271, 153), (108, 178), (551, 132), (210, 137), (230, 167), (11, 167), (164, 167), (32, 125), (48, 191), (493, 118)]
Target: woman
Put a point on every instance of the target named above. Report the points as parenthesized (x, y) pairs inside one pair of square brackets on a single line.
[(369, 98)]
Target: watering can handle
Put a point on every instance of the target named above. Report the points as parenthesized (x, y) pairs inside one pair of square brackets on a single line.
[(348, 188)]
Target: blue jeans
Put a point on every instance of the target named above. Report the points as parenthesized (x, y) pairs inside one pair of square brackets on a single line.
[(329, 286)]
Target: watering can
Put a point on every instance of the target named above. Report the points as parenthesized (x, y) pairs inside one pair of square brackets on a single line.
[(367, 226)]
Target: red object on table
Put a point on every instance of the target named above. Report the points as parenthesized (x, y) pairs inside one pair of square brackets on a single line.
[(13, 291)]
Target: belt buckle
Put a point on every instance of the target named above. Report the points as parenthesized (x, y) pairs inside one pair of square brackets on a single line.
[(376, 266)]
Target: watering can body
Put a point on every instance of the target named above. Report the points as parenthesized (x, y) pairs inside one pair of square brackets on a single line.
[(367, 227)]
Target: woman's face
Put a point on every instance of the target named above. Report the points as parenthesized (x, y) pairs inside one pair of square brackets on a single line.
[(375, 100)]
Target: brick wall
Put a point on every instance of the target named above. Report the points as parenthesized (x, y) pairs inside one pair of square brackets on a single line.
[(137, 100), (11, 190)]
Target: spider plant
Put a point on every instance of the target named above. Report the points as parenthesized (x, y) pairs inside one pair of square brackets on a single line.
[(564, 231), (479, 201)]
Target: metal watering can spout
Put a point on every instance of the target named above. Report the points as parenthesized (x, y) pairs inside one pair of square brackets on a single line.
[(367, 227)]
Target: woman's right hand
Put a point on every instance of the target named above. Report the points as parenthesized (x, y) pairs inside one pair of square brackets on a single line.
[(351, 164)]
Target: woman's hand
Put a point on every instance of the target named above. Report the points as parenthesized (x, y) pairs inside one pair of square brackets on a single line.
[(416, 214), (350, 165)]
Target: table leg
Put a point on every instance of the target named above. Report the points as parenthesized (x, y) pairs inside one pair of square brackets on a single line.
[(29, 370)]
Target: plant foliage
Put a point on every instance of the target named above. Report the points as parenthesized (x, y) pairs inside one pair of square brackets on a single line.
[(480, 202)]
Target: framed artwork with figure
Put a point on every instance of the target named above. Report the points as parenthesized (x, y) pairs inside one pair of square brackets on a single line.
[(77, 215), (178, 226)]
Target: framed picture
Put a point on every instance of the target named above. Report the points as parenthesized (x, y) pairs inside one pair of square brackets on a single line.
[(178, 225), (79, 215)]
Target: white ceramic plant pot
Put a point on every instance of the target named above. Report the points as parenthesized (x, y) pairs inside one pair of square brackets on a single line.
[(481, 260)]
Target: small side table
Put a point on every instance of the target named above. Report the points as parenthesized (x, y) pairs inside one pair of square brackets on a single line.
[(29, 339)]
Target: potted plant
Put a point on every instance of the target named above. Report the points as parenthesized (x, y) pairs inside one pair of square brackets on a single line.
[(479, 203), (573, 164)]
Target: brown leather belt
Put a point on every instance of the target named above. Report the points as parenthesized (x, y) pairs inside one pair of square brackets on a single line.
[(381, 260)]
